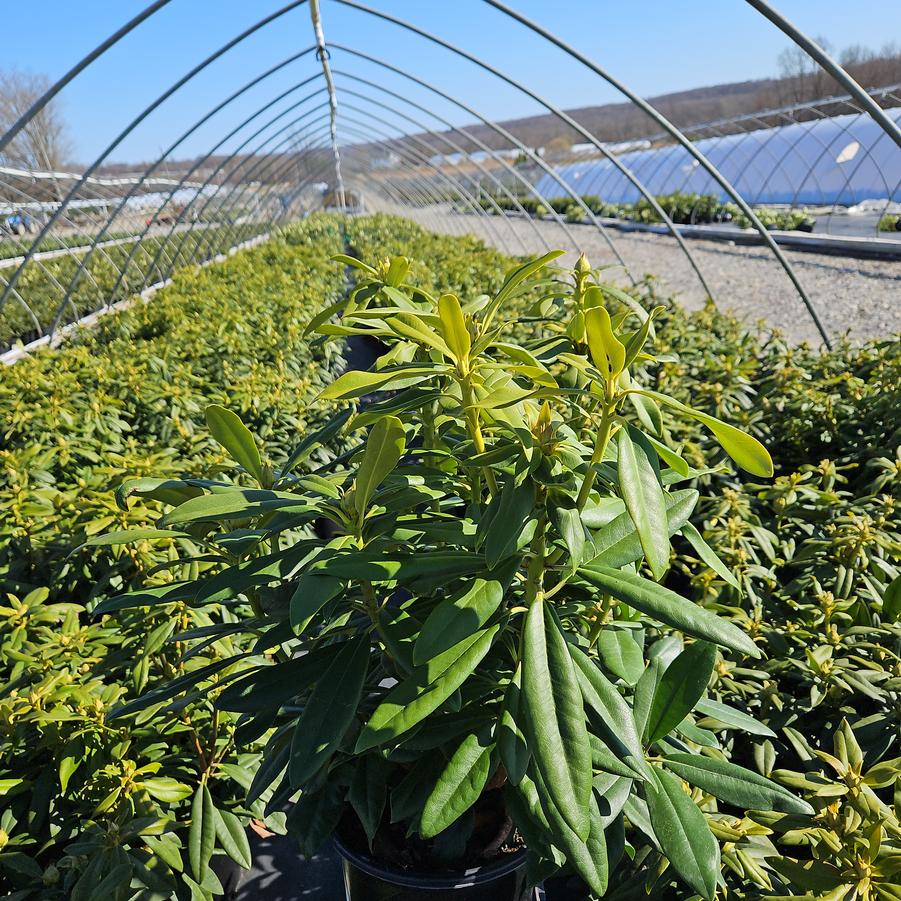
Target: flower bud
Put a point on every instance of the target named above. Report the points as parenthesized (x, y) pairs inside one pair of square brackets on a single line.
[(583, 267)]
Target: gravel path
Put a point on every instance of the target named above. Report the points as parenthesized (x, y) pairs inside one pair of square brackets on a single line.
[(862, 297)]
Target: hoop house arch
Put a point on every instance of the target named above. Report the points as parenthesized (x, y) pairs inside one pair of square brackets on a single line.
[(333, 120)]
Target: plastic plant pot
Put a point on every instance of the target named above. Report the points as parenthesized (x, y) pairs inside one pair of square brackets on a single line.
[(366, 879)]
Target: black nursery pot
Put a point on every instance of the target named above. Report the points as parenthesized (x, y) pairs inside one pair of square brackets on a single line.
[(366, 879)]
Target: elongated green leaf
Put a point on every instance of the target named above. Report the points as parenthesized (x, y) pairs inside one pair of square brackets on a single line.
[(314, 817), (708, 555), (314, 590), (316, 439), (226, 427), (202, 833), (358, 382), (368, 792), (459, 785), (233, 838), (515, 279), (683, 834), (645, 502), (329, 711), (732, 718), (587, 856), (348, 260), (128, 536), (511, 742), (170, 689), (555, 717), (459, 615), (607, 352), (569, 522), (734, 784), (453, 327), (617, 544), (409, 325), (601, 696), (268, 687), (744, 449), (239, 503), (515, 506), (426, 689), (668, 607), (621, 654), (667, 454), (384, 447), (680, 687)]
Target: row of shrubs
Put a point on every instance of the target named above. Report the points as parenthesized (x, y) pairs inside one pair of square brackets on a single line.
[(683, 208), (111, 274), (817, 553)]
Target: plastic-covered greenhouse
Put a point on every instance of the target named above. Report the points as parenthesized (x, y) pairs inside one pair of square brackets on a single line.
[(837, 160), (393, 508)]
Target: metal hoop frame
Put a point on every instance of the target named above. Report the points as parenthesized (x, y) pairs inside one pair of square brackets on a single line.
[(253, 177)]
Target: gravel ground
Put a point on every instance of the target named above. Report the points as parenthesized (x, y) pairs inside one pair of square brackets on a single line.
[(862, 297)]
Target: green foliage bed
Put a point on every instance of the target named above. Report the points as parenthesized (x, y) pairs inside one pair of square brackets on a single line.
[(44, 282), (817, 551)]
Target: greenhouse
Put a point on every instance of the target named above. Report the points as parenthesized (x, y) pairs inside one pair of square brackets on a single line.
[(432, 469), (836, 160)]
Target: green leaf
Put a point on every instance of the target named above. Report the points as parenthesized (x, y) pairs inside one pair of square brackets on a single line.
[(515, 505), (587, 856), (621, 654), (745, 450), (681, 686), (644, 500), (316, 439), (708, 555), (385, 446), (453, 327), (424, 690), (202, 833), (668, 607), (314, 590), (226, 427), (511, 742), (732, 718), (616, 543), (514, 280), (166, 789), (891, 602), (569, 524), (368, 792), (607, 352), (329, 711), (555, 717), (460, 615), (734, 784), (358, 382), (683, 834), (314, 817), (233, 838), (239, 503), (611, 708), (129, 536), (460, 784)]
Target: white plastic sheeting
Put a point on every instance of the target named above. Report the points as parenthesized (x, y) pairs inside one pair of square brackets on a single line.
[(839, 160)]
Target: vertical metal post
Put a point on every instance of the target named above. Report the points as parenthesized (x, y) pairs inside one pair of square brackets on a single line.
[(322, 55)]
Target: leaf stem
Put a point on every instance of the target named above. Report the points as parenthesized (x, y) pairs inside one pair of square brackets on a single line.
[(475, 429), (600, 446)]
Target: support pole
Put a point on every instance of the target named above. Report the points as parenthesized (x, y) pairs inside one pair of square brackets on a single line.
[(322, 55)]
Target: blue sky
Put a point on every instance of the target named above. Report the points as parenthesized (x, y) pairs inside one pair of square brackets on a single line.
[(654, 46)]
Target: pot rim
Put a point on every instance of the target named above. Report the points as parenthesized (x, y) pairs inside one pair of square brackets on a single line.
[(489, 872)]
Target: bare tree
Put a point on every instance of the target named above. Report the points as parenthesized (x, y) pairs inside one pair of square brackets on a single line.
[(802, 77), (44, 142)]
